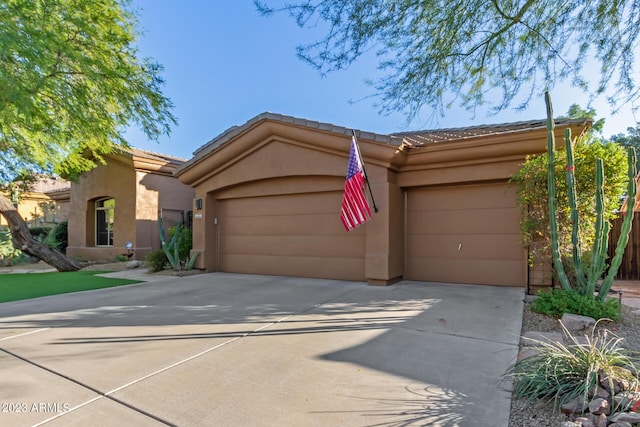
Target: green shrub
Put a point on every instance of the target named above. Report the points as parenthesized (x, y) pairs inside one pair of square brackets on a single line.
[(186, 241), (156, 260), (557, 302), (39, 233), (563, 372), (58, 237), (7, 252), (121, 258)]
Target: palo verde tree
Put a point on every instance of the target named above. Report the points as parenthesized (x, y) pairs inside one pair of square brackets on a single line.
[(71, 81), (435, 53)]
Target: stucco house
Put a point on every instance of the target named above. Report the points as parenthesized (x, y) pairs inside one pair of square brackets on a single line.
[(120, 202), (268, 196)]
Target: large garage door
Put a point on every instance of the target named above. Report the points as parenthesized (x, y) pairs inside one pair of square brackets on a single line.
[(290, 235), (465, 234)]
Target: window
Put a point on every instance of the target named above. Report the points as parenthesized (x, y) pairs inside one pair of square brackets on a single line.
[(104, 222)]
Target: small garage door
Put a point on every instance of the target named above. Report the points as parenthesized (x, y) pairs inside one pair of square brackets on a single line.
[(289, 235), (465, 234)]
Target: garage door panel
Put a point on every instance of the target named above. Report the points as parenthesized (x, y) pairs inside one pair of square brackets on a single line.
[(505, 247), (486, 221), (465, 234), (342, 268), (297, 225), (311, 246), (297, 204), (486, 272), (450, 198), (290, 235)]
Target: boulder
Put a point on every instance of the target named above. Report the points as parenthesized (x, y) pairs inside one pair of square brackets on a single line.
[(575, 322)]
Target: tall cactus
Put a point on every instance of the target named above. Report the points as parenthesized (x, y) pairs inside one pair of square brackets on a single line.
[(586, 285), (601, 239), (621, 245), (551, 188), (575, 223)]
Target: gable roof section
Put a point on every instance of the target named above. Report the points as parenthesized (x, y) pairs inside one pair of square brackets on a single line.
[(234, 131), (406, 141)]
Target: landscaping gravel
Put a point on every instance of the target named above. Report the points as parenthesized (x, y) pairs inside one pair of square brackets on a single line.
[(540, 414)]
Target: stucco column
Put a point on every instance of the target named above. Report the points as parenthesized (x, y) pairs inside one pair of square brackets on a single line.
[(204, 240), (384, 262)]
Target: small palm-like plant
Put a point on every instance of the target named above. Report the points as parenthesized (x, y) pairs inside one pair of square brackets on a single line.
[(563, 372)]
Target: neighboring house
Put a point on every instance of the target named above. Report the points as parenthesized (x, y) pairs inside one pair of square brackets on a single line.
[(44, 205), (120, 202), (268, 196)]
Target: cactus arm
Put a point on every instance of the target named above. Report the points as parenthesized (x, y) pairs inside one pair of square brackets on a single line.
[(575, 224), (627, 222), (598, 255), (191, 262), (551, 187)]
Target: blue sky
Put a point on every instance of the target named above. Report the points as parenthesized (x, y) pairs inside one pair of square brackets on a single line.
[(224, 64)]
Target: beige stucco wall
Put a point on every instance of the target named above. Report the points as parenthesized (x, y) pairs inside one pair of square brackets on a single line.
[(117, 180), (140, 195), (158, 194), (272, 157)]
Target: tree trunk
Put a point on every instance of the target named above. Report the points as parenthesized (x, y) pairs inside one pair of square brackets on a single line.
[(23, 240)]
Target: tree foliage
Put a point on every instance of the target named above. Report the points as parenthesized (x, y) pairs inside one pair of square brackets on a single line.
[(436, 53), (630, 139), (70, 82)]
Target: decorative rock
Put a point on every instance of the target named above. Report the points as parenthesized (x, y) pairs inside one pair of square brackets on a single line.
[(612, 385), (570, 424), (574, 322), (600, 420), (133, 264), (580, 340), (599, 406), (626, 399), (628, 417), (603, 393), (584, 422), (527, 352), (575, 406), (532, 338), (621, 424)]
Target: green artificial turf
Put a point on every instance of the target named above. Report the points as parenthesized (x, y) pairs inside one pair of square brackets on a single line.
[(14, 287)]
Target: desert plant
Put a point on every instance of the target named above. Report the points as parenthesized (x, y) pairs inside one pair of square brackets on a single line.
[(173, 247), (156, 260), (564, 372), (533, 198), (585, 281), (557, 302), (7, 251)]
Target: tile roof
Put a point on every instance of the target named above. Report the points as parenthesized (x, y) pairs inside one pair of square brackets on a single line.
[(424, 137), (413, 139), (233, 131), (153, 155)]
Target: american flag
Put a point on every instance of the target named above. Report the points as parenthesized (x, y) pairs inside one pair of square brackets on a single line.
[(355, 208)]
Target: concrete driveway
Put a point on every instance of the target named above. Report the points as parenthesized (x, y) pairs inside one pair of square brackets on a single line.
[(238, 350)]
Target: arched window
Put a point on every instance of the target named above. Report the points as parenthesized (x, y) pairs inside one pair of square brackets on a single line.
[(104, 221)]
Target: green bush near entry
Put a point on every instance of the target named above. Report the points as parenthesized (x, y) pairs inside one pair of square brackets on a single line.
[(557, 302)]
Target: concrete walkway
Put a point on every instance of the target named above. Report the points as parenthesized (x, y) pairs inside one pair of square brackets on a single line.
[(237, 350)]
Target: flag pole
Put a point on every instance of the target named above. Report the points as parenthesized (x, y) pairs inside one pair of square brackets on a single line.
[(366, 177)]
